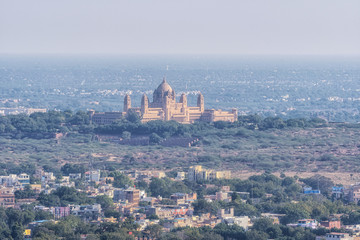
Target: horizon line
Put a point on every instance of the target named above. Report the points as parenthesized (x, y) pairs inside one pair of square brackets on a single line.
[(181, 54)]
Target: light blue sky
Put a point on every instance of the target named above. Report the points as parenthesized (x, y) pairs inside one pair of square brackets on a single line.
[(180, 27)]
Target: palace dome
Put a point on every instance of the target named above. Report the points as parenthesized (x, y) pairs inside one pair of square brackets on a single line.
[(163, 88)]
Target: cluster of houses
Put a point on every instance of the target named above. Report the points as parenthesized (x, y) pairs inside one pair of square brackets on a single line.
[(8, 185), (339, 236), (176, 211), (350, 193), (128, 201), (18, 110)]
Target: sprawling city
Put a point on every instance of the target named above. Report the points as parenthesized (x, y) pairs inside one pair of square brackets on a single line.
[(117, 175), (179, 120)]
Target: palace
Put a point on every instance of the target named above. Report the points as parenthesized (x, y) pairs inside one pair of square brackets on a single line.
[(164, 107)]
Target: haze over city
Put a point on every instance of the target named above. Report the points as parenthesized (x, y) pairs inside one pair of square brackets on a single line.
[(325, 27), (164, 119)]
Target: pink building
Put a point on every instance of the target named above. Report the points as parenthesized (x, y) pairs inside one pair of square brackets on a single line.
[(331, 224), (60, 212)]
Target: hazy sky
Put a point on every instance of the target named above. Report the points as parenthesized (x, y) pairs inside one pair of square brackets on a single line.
[(180, 27)]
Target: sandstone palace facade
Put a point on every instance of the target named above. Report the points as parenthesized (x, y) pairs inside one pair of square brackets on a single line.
[(164, 107)]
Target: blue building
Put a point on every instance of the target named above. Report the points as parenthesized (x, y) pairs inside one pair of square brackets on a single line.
[(309, 190)]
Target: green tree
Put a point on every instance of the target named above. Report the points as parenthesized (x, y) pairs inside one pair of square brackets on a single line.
[(123, 235), (80, 118), (17, 231), (202, 206), (256, 235), (73, 168), (133, 117), (130, 224), (126, 135), (154, 138), (43, 233), (294, 212), (262, 224), (154, 231), (26, 193), (64, 196), (121, 180), (230, 231), (105, 201)]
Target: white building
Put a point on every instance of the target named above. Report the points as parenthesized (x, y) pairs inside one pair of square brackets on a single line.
[(86, 212), (47, 177), (242, 221), (92, 176), (180, 176), (10, 180), (305, 223), (15, 180)]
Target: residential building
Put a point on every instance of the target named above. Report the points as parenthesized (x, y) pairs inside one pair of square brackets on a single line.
[(305, 223), (131, 195), (75, 176), (182, 198), (337, 191), (24, 201), (275, 217), (92, 176), (24, 179), (20, 110), (354, 194), (180, 176), (331, 224), (309, 190), (159, 174), (36, 188), (223, 196), (86, 212), (242, 221), (7, 198), (169, 212), (198, 174), (60, 212), (342, 236), (225, 213), (47, 177), (9, 181)]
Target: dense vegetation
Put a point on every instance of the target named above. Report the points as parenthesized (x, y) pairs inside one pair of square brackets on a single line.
[(45, 125), (13, 221)]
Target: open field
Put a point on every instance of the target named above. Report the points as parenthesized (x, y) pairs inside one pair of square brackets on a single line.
[(333, 151)]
